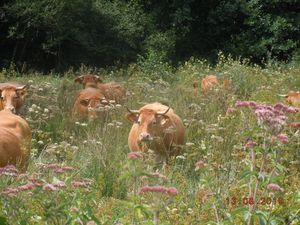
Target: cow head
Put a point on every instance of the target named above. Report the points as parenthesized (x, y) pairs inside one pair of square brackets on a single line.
[(88, 80), (151, 124), (90, 106), (12, 98)]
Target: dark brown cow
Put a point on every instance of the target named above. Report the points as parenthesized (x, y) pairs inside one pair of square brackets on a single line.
[(87, 103), (112, 90), (12, 97), (157, 127), (15, 140)]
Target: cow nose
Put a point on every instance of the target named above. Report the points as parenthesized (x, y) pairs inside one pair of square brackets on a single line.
[(12, 109), (144, 136)]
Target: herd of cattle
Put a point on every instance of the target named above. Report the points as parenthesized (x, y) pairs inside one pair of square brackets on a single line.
[(155, 125)]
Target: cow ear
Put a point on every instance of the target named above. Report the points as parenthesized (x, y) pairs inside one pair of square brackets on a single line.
[(79, 79), (22, 91), (84, 102), (133, 117), (163, 119)]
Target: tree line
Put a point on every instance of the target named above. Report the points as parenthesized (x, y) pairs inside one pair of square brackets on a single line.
[(57, 34)]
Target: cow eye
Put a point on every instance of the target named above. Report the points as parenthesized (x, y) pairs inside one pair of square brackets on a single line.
[(16, 96), (138, 122), (1, 98), (154, 122)]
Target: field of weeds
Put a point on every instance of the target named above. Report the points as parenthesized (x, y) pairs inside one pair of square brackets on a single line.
[(240, 164)]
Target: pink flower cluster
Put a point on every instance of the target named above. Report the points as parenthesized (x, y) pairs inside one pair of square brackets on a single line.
[(159, 175), (57, 168), (134, 155), (81, 184), (274, 187), (199, 165), (9, 170), (295, 124), (171, 191), (271, 118), (281, 137)]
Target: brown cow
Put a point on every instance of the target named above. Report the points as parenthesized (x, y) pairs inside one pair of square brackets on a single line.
[(12, 96), (87, 101), (293, 98), (112, 90), (15, 140), (209, 82), (157, 127)]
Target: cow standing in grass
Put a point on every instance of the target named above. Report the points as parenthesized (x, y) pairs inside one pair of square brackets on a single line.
[(293, 98), (111, 90), (156, 127), (15, 140)]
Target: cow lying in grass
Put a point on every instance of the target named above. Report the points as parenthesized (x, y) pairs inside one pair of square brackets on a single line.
[(111, 90), (15, 140)]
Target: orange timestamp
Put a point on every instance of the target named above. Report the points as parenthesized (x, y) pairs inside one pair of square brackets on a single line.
[(250, 201)]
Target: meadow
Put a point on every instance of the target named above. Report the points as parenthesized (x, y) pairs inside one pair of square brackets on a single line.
[(236, 167)]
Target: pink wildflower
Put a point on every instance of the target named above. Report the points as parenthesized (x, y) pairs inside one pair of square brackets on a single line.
[(9, 170), (282, 138), (10, 191), (172, 191), (80, 184), (26, 187), (159, 189), (274, 187), (134, 155), (199, 165), (159, 175), (295, 124), (60, 184), (291, 110), (49, 187), (230, 111)]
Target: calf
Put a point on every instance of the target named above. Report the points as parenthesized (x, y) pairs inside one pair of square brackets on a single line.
[(157, 127)]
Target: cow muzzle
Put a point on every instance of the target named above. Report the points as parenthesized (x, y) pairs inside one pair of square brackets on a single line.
[(144, 136), (12, 109)]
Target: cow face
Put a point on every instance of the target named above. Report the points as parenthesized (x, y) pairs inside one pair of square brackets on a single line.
[(150, 124), (293, 98), (90, 106), (12, 98), (88, 80)]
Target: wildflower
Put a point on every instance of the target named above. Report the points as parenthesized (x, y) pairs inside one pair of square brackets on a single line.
[(10, 192), (230, 111), (9, 170), (159, 175), (245, 104), (281, 137), (295, 124), (49, 187), (159, 189), (274, 187), (81, 184), (134, 155), (26, 187), (199, 165), (60, 184)]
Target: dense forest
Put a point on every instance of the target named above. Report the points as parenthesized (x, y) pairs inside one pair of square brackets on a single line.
[(57, 34)]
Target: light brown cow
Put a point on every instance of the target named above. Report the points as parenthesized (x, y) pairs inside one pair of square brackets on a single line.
[(12, 96), (157, 127), (87, 102), (293, 98), (15, 140), (209, 82), (112, 90)]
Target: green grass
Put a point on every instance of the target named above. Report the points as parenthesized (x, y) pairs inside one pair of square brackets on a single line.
[(98, 151)]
